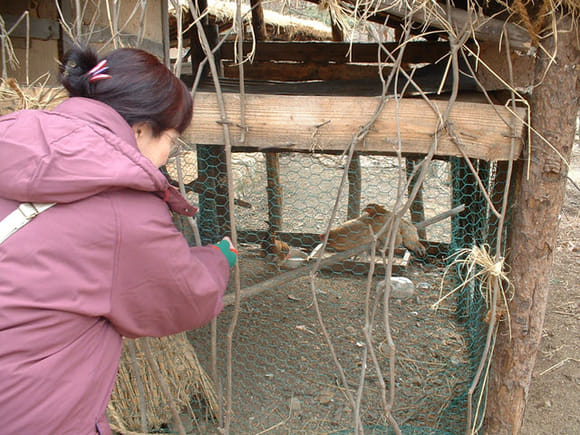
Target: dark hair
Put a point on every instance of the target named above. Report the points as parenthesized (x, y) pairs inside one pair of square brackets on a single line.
[(140, 88)]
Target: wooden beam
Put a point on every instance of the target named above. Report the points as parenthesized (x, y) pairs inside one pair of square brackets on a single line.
[(338, 52), (483, 28), (303, 71), (329, 123)]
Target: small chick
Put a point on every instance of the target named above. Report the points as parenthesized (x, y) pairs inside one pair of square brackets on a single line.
[(279, 249), (275, 249)]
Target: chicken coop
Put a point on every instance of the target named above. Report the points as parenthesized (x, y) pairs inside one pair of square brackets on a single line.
[(370, 160)]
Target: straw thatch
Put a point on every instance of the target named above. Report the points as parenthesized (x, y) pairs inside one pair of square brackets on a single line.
[(530, 14), (278, 26)]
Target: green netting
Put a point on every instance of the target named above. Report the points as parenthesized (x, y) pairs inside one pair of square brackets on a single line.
[(285, 379)]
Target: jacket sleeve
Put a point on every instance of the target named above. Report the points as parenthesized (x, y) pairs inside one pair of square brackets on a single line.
[(161, 286)]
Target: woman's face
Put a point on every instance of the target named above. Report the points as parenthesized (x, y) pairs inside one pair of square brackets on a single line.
[(155, 148)]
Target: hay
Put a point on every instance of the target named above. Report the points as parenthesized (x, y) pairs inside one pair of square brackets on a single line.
[(480, 268), (38, 95), (292, 27), (188, 384), (279, 26)]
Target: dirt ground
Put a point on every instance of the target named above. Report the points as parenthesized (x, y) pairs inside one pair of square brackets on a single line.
[(554, 398)]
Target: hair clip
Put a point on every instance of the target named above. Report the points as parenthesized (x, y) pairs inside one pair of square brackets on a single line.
[(96, 73)]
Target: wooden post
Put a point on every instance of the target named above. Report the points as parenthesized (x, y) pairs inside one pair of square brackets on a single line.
[(258, 20), (353, 208), (354, 187), (165, 32), (274, 185), (417, 209), (554, 109), (274, 191), (211, 33), (337, 33)]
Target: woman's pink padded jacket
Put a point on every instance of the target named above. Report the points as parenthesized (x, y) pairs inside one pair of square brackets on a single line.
[(105, 262)]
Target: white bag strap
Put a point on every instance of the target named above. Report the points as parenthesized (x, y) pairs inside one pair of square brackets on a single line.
[(20, 217)]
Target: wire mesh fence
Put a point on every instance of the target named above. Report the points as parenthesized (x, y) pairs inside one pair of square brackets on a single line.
[(321, 350)]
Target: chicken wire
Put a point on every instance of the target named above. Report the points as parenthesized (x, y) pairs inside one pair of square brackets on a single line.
[(299, 344)]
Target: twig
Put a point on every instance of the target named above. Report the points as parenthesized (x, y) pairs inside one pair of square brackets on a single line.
[(140, 389), (228, 152), (558, 365), (564, 313), (573, 183), (440, 217)]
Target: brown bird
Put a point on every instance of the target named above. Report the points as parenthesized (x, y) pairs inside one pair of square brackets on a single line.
[(273, 248), (355, 232), (277, 249)]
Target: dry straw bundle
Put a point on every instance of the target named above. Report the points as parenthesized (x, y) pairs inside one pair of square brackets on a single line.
[(158, 377), (36, 96), (481, 269)]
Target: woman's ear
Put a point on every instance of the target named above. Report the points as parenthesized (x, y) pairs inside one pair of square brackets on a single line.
[(138, 129)]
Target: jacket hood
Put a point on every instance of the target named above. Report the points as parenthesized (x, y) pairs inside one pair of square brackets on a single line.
[(81, 148)]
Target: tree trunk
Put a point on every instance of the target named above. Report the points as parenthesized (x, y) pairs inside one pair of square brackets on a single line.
[(554, 109)]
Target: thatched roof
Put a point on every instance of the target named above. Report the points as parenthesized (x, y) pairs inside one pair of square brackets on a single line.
[(525, 19), (278, 26)]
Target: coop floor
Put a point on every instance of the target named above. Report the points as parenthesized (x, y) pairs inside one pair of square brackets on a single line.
[(284, 377)]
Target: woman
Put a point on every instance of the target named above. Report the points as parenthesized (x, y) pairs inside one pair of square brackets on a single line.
[(106, 261)]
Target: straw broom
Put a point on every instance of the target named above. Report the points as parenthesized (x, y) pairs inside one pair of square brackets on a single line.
[(162, 379)]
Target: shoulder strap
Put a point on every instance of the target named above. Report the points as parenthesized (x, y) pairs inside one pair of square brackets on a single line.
[(20, 217)]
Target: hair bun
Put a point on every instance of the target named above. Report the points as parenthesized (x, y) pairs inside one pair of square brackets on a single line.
[(75, 64)]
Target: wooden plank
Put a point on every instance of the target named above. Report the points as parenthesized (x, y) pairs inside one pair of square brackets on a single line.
[(285, 71), (329, 123), (40, 28), (339, 52)]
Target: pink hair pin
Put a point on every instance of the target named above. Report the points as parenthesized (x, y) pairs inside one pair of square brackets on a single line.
[(96, 72)]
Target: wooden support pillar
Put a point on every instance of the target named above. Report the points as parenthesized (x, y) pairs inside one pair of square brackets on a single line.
[(353, 209), (337, 33), (214, 218), (554, 109), (354, 187), (274, 191), (274, 185), (165, 32), (258, 20), (211, 32), (417, 206)]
